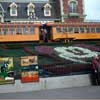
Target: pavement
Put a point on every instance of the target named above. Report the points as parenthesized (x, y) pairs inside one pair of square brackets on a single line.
[(87, 92)]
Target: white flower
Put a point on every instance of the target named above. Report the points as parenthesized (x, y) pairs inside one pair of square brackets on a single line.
[(75, 53)]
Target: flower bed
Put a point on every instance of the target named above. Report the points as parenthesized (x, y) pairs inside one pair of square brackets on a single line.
[(79, 53), (44, 49), (90, 47), (75, 53)]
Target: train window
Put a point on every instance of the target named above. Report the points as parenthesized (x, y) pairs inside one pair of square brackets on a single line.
[(92, 30), (98, 29), (70, 29), (58, 29), (11, 30), (87, 29), (76, 30), (82, 29), (4, 30), (19, 30), (31, 29), (25, 30), (64, 29)]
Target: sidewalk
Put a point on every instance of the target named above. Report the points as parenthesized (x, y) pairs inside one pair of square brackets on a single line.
[(89, 92)]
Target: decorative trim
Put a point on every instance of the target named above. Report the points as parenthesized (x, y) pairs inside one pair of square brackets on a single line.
[(72, 1), (13, 4), (47, 5), (31, 5), (24, 1)]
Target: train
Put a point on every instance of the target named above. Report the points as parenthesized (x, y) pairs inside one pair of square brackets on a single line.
[(55, 31)]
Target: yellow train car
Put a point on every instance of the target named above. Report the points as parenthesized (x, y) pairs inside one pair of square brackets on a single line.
[(19, 32), (80, 31)]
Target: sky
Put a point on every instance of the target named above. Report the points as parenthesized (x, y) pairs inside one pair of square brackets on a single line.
[(92, 9)]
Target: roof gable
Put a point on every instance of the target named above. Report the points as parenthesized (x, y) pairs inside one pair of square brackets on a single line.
[(31, 5), (1, 8), (13, 5), (47, 5)]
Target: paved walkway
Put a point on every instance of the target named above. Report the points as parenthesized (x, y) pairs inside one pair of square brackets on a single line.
[(89, 92)]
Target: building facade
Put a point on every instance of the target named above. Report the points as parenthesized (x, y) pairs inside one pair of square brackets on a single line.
[(72, 10), (19, 10), (41, 10)]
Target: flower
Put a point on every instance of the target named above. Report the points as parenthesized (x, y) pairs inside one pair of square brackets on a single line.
[(44, 49), (74, 53)]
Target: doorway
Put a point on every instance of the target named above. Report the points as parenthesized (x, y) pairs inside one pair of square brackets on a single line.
[(45, 33)]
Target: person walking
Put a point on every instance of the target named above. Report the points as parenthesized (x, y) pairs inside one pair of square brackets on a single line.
[(95, 71)]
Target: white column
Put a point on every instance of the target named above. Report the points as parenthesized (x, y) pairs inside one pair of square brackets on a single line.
[(1, 18), (83, 3), (62, 10)]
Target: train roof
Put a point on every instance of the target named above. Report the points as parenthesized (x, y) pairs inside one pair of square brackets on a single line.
[(51, 24)]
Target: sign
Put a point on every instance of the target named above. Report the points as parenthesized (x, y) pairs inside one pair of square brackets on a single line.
[(28, 60), (6, 70), (29, 70)]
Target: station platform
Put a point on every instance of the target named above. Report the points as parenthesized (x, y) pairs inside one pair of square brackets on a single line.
[(84, 92)]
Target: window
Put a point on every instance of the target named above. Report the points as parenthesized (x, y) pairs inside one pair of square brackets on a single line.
[(98, 30), (30, 9), (72, 6), (93, 30), (11, 30), (76, 30), (64, 29), (31, 29), (25, 30), (13, 9), (19, 30), (82, 29), (4, 30), (58, 29), (87, 29), (61, 29), (47, 10), (70, 29)]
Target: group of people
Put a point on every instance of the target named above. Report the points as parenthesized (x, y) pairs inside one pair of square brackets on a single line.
[(96, 69), (43, 35)]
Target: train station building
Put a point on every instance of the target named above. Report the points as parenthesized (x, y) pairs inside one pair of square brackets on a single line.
[(46, 44), (42, 10)]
